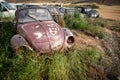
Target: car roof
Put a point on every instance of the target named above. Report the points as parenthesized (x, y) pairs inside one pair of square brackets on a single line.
[(29, 8), (92, 11)]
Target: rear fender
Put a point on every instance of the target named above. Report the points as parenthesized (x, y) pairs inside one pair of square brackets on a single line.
[(18, 41)]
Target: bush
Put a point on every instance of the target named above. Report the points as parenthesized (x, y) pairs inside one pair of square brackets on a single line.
[(54, 66), (79, 60), (58, 67), (86, 25), (75, 22), (6, 19)]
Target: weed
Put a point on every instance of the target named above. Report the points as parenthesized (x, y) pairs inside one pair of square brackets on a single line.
[(86, 25), (58, 67), (75, 22), (78, 61)]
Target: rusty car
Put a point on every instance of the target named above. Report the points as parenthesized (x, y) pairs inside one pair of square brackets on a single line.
[(37, 31)]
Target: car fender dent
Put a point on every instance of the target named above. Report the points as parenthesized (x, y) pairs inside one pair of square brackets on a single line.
[(18, 41), (38, 34)]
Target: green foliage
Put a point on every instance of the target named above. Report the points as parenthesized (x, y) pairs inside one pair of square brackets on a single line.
[(96, 31), (6, 19), (58, 67), (79, 60), (97, 22), (77, 66), (95, 28), (89, 26), (6, 32), (76, 22)]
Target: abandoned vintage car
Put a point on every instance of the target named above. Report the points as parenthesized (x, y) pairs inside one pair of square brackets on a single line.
[(37, 31)]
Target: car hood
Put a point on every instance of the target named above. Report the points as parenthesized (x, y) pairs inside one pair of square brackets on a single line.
[(44, 36)]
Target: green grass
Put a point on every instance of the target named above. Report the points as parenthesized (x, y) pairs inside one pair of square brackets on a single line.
[(6, 19), (86, 25), (78, 65), (75, 22), (67, 65)]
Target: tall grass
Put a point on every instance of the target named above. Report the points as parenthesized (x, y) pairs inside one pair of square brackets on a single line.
[(86, 25), (75, 22), (79, 60), (70, 65)]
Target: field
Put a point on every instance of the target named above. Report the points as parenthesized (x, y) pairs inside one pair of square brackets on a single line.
[(95, 55), (110, 12)]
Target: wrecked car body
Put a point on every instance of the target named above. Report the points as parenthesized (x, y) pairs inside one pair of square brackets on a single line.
[(37, 31), (88, 11)]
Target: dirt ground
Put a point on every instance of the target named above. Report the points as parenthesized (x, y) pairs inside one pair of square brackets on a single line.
[(109, 12)]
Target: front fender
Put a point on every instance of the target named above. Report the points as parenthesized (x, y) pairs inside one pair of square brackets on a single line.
[(69, 38), (18, 41)]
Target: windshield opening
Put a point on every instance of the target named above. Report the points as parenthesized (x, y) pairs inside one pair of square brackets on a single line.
[(52, 9), (29, 15), (8, 6)]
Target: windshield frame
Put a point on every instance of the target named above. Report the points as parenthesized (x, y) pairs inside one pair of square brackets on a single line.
[(33, 18), (8, 6)]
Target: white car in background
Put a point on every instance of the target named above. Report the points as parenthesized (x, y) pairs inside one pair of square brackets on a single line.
[(24, 5), (16, 5), (6, 10)]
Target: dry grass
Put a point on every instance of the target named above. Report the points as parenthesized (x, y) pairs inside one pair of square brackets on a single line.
[(110, 12)]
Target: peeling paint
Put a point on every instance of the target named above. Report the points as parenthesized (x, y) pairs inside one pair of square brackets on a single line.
[(53, 29), (38, 35)]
